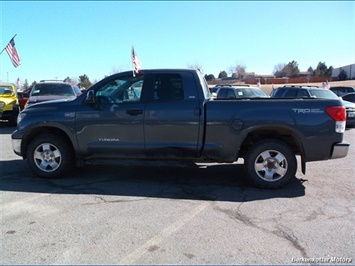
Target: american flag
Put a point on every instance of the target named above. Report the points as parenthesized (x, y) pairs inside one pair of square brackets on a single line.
[(136, 62), (13, 54)]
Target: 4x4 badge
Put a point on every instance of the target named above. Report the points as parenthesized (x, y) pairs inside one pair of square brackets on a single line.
[(72, 114)]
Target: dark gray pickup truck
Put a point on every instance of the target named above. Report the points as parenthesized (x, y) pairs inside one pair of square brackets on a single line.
[(169, 114)]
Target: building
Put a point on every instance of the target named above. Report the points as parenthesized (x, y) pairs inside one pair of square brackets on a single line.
[(349, 69)]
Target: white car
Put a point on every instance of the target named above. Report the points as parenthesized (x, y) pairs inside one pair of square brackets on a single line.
[(230, 92)]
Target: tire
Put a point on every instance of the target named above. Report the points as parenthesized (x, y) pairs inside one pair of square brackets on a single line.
[(50, 156), (12, 120), (270, 164)]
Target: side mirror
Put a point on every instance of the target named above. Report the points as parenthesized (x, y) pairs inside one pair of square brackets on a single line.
[(90, 97)]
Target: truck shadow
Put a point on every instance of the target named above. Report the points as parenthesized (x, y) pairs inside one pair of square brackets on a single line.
[(212, 182)]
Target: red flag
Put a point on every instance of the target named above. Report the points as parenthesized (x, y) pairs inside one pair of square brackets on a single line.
[(13, 54), (136, 62)]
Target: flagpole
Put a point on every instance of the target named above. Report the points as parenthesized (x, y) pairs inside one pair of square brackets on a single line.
[(8, 43), (132, 54)]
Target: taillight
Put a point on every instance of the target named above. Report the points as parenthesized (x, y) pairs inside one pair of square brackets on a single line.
[(338, 113)]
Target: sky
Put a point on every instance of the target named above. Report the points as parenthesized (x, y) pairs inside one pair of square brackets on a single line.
[(59, 39)]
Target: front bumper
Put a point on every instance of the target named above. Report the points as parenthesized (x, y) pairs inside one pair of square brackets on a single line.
[(340, 150), (16, 146)]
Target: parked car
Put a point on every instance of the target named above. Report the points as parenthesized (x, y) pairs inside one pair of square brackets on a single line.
[(240, 92), (51, 90), (350, 97), (342, 90), (315, 92), (217, 87), (9, 103), (22, 98)]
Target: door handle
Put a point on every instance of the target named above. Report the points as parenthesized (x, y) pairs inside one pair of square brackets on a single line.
[(134, 112)]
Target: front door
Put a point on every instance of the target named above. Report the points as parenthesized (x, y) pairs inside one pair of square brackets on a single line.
[(112, 126)]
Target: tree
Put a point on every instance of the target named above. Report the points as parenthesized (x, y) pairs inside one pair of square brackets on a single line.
[(239, 70), (290, 70), (195, 66), (25, 85), (67, 79), (72, 81), (322, 70), (279, 70), (222, 74), (342, 75), (209, 77), (84, 81), (33, 84)]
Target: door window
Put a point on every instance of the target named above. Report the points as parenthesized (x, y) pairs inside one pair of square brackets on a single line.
[(120, 90), (168, 87)]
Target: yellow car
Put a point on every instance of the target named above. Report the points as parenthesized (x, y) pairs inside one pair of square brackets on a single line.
[(9, 104)]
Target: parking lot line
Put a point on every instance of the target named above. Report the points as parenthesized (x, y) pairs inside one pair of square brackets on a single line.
[(139, 252)]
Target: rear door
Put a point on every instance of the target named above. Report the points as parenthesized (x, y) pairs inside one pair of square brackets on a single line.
[(172, 116)]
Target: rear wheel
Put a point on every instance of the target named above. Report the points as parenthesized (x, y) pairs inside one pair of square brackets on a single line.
[(50, 156), (270, 164)]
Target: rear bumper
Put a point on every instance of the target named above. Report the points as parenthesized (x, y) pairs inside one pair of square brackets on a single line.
[(340, 150)]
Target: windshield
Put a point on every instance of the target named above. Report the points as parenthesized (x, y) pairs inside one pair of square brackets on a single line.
[(5, 90)]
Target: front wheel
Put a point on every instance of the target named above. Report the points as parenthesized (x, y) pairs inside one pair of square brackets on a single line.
[(49, 156), (270, 164)]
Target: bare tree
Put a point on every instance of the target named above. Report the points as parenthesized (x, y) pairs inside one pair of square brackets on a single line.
[(237, 71), (116, 69), (196, 65), (279, 70), (240, 69)]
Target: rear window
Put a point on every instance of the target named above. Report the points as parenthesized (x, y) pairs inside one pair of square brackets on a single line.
[(323, 94), (285, 93)]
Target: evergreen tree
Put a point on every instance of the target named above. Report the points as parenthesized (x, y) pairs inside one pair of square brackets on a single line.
[(342, 75), (222, 74), (84, 81)]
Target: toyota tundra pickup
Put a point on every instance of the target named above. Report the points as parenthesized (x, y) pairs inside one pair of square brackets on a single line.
[(169, 114)]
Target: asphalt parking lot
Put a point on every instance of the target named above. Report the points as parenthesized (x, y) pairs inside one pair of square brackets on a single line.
[(191, 214)]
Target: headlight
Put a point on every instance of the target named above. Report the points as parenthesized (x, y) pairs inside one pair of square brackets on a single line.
[(20, 117), (2, 104)]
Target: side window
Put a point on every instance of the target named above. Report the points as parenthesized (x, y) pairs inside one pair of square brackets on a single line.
[(223, 93), (291, 93), (120, 90), (302, 93), (168, 87), (231, 93)]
